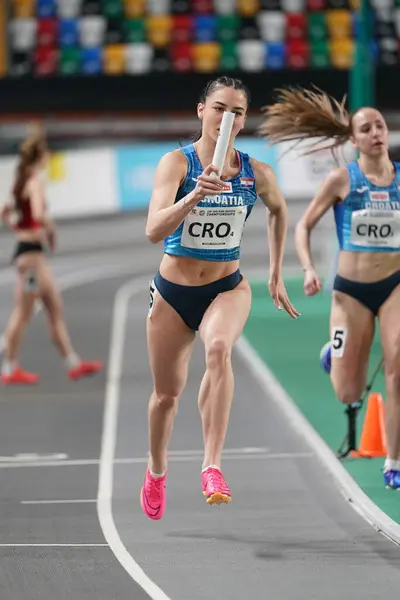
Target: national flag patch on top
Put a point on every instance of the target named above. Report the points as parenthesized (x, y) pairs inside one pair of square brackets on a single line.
[(247, 181)]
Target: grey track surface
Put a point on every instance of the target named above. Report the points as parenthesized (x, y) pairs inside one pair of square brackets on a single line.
[(288, 534)]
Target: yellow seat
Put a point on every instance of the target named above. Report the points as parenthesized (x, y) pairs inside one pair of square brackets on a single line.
[(248, 8), (114, 59), (206, 57), (23, 9), (342, 53), (339, 23), (135, 8), (159, 29)]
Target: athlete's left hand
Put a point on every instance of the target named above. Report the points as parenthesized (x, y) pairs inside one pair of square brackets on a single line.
[(279, 296)]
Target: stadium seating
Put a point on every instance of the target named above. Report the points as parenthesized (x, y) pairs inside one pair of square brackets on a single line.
[(115, 37)]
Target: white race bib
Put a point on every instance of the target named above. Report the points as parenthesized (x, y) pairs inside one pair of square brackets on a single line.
[(376, 228), (213, 228)]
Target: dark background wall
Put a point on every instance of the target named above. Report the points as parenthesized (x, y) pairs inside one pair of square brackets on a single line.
[(172, 91)]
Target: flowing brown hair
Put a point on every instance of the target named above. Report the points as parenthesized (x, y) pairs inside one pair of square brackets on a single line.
[(301, 114), (31, 151)]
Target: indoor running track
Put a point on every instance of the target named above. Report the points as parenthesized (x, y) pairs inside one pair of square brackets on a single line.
[(73, 457)]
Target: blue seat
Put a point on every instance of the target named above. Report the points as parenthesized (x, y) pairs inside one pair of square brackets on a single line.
[(69, 32), (276, 52), (92, 61), (205, 28), (46, 8)]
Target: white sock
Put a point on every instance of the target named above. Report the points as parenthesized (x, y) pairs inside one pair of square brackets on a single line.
[(72, 361), (157, 475), (210, 467), (8, 366), (391, 465)]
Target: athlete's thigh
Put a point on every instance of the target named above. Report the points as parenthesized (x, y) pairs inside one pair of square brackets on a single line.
[(27, 290), (170, 344), (227, 315), (48, 290), (389, 324), (352, 332)]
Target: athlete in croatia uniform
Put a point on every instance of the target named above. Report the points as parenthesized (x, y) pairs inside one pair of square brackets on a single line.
[(199, 286), (365, 196)]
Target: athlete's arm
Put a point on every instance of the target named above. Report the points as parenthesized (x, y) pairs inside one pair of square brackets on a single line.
[(270, 194), (5, 214), (333, 189), (272, 197), (165, 215), (34, 189), (35, 192)]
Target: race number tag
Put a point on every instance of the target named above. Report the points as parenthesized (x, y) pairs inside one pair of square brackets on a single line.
[(214, 228), (338, 341), (376, 228), (153, 294)]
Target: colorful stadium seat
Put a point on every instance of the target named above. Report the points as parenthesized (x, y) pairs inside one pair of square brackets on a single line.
[(46, 8), (70, 60), (69, 32), (91, 60), (206, 56), (23, 9), (139, 36), (134, 8), (114, 59)]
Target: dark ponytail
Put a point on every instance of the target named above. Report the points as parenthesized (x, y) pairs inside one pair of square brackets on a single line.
[(31, 151)]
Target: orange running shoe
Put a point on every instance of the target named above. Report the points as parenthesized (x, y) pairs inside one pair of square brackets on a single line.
[(20, 377), (84, 369), (215, 488)]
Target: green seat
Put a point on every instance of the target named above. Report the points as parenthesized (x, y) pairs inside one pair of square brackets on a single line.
[(227, 27), (319, 54), (317, 29), (135, 31), (228, 58), (70, 60), (112, 9)]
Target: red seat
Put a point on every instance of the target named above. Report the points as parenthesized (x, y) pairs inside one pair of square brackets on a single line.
[(202, 7), (182, 29), (46, 61), (296, 26), (181, 57), (316, 5), (297, 54), (47, 32)]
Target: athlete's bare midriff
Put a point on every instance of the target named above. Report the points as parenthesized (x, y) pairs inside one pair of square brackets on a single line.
[(367, 267), (31, 235), (184, 270)]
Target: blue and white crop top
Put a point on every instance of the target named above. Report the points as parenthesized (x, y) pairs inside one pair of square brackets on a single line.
[(368, 220), (213, 229)]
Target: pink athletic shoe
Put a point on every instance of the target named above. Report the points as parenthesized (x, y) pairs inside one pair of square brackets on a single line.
[(215, 488), (153, 496)]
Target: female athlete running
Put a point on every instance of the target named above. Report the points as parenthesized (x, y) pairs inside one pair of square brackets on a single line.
[(26, 214), (365, 196), (200, 217)]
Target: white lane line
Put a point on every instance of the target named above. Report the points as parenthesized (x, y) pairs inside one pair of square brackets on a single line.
[(108, 442), (82, 462), (109, 438), (28, 545), (348, 487), (73, 501)]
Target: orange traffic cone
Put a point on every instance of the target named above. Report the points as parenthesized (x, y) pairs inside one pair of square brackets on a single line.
[(373, 437)]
